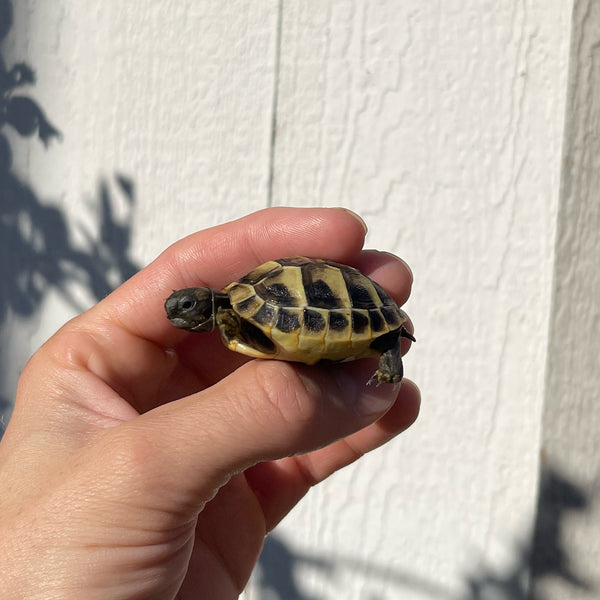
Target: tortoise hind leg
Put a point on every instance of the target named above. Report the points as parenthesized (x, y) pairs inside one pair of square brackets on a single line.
[(390, 368)]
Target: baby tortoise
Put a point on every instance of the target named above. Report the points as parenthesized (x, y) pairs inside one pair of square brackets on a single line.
[(300, 309)]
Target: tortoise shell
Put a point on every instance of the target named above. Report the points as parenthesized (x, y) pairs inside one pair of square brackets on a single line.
[(313, 309), (300, 309)]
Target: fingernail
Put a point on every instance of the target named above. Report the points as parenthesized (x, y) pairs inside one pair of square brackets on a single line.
[(357, 217)]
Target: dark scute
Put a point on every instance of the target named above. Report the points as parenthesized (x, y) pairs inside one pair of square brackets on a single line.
[(360, 297), (245, 305), (294, 261), (383, 295), (390, 315), (337, 320), (278, 294), (355, 283), (376, 320), (255, 276), (313, 320), (359, 322), (287, 321), (255, 338), (265, 315), (386, 341), (320, 295)]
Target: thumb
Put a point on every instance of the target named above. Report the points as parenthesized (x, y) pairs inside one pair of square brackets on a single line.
[(265, 410)]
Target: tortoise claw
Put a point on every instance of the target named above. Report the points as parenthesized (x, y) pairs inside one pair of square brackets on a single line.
[(382, 377)]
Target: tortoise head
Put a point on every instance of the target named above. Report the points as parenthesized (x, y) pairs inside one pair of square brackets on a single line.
[(192, 309)]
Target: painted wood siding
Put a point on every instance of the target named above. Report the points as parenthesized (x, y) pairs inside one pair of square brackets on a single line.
[(442, 123)]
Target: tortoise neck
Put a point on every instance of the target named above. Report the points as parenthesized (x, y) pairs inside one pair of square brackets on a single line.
[(221, 300)]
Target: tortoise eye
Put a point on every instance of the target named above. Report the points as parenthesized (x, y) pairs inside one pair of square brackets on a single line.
[(187, 303)]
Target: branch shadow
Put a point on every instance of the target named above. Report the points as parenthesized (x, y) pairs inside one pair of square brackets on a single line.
[(38, 253), (280, 572), (550, 558), (547, 556)]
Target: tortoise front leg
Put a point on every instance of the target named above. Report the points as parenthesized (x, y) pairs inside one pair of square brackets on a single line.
[(390, 368), (243, 337)]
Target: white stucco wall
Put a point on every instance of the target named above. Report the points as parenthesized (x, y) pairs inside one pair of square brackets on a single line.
[(442, 124)]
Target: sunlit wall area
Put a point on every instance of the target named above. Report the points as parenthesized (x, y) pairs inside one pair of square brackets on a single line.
[(129, 125)]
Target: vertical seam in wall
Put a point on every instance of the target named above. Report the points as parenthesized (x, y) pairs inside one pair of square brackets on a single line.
[(274, 104)]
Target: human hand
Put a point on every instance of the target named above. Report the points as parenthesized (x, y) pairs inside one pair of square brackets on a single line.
[(145, 462)]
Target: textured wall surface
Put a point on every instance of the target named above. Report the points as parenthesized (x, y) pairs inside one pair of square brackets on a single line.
[(442, 124), (571, 420)]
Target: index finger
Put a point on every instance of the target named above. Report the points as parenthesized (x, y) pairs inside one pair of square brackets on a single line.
[(216, 256)]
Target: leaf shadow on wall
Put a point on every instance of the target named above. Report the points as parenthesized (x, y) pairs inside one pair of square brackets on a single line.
[(281, 570), (559, 499), (278, 567), (37, 248), (546, 558)]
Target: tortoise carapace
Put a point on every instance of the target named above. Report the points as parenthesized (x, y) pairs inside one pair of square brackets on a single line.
[(300, 309)]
